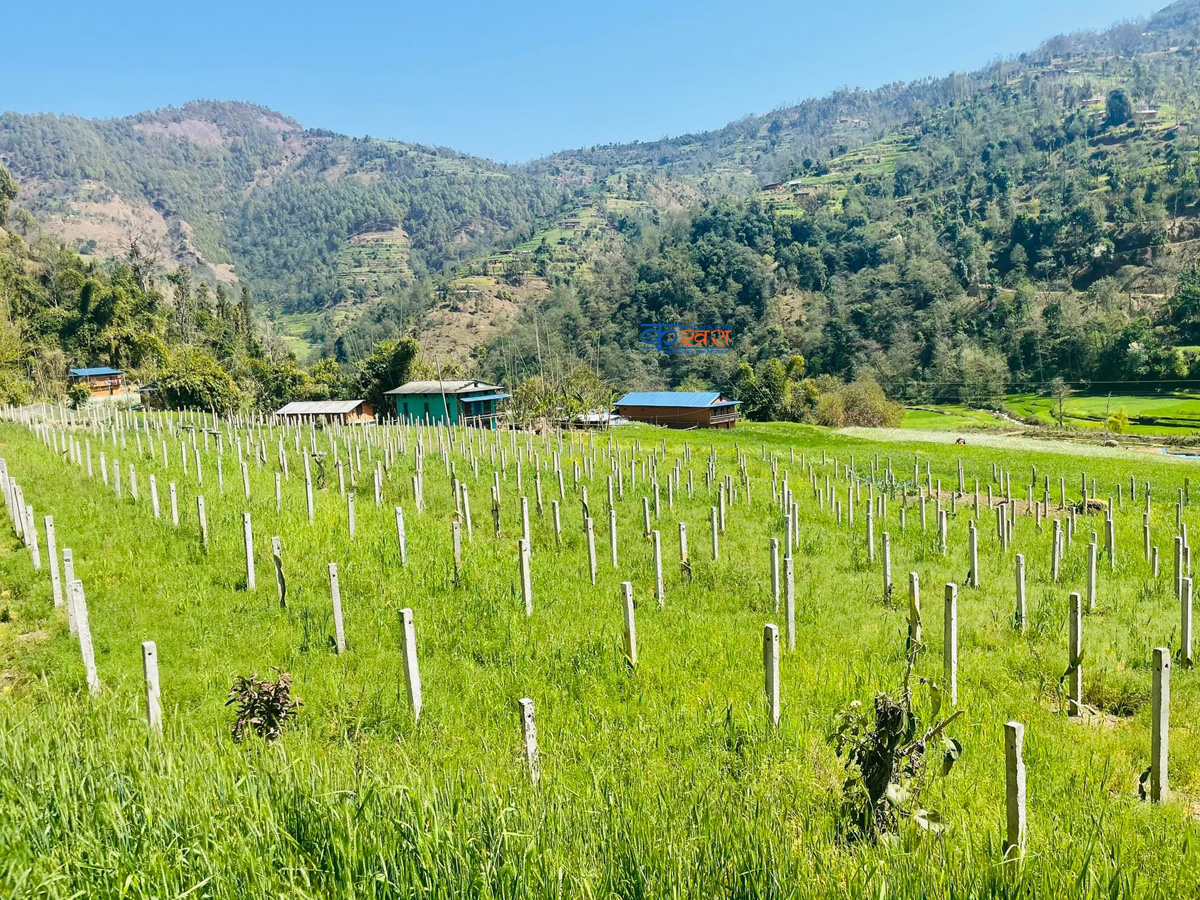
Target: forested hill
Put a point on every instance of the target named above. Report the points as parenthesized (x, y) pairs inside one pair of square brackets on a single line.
[(240, 192), (953, 238), (760, 149), (1043, 222)]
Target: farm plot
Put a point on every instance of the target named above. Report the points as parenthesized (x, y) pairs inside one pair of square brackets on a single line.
[(545, 664), (1170, 413)]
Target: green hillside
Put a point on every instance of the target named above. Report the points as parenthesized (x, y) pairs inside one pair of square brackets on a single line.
[(240, 192), (956, 239)]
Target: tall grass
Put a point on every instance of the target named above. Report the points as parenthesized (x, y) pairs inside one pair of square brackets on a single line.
[(662, 782)]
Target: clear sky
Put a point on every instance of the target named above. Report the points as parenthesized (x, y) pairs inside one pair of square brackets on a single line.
[(508, 80)]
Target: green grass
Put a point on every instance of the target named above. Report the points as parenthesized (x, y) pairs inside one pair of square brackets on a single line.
[(293, 330), (1171, 413), (660, 782), (947, 417)]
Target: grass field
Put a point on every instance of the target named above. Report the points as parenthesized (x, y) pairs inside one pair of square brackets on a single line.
[(1175, 412), (293, 330), (664, 780), (946, 418)]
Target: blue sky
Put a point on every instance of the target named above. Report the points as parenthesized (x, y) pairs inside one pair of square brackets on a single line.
[(508, 80)]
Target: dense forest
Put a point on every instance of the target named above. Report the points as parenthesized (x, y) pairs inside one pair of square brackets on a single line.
[(189, 345), (1041, 226)]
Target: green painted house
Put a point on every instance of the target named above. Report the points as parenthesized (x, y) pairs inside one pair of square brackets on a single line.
[(472, 402)]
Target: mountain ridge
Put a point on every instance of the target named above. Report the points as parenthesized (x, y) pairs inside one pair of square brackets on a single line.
[(341, 238)]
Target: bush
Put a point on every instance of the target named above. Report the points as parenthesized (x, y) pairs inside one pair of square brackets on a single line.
[(193, 379), (861, 403), (831, 410), (78, 395), (264, 706)]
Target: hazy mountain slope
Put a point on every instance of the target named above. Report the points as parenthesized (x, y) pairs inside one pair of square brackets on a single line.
[(765, 148), (241, 192)]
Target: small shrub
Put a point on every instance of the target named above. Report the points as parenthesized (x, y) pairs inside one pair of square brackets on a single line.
[(78, 395), (831, 410), (887, 761), (264, 706), (1118, 422), (867, 406)]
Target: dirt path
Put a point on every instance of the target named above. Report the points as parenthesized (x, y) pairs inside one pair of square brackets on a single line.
[(1005, 442)]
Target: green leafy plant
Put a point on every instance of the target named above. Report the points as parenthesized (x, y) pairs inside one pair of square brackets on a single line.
[(263, 706), (892, 754), (78, 395)]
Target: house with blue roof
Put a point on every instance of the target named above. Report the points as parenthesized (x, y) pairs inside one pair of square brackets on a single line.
[(99, 379), (680, 409)]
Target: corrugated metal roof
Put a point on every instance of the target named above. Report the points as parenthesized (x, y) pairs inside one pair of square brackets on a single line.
[(319, 407), (685, 399), (449, 387), (97, 370), (473, 399)]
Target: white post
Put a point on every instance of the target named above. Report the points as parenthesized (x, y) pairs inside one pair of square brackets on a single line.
[(973, 539), (280, 581), (950, 643), (456, 540), (68, 577), (716, 550), (1014, 770), (659, 591), (775, 573), (1160, 704), (526, 583), (529, 732), (1091, 577), (1075, 657), (412, 674), (308, 488), (203, 521), (1110, 535), (1019, 617), (630, 625), (85, 636), (52, 553), (887, 565), (400, 536), (1185, 625), (789, 586), (31, 533), (248, 536), (335, 594), (174, 504), (914, 611), (1056, 551), (771, 671), (685, 559), (150, 671), (589, 526)]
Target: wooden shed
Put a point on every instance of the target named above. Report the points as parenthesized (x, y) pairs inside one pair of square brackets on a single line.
[(100, 379), (341, 412), (680, 409)]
